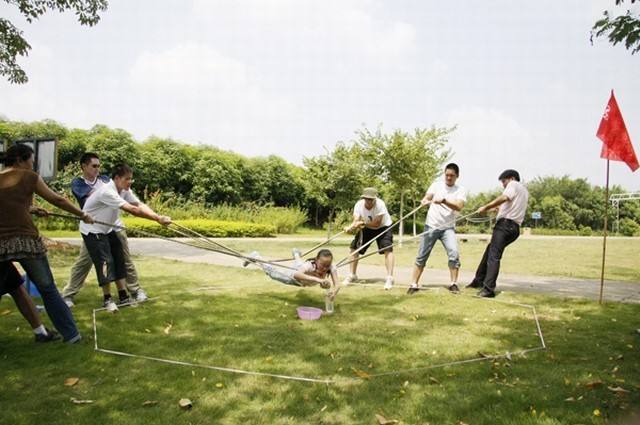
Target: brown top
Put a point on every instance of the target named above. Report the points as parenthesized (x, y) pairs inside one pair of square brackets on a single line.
[(16, 195)]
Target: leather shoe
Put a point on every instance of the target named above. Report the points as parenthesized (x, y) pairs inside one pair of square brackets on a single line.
[(474, 284), (485, 293)]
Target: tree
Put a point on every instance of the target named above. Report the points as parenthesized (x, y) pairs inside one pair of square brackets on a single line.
[(13, 44), (623, 28), (336, 179), (405, 162)]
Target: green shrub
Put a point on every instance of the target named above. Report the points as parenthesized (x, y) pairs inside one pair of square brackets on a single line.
[(628, 227), (211, 228), (585, 231), (285, 220)]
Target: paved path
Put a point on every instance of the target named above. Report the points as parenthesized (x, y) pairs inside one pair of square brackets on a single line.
[(555, 286)]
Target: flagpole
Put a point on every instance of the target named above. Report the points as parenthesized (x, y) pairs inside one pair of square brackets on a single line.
[(604, 240)]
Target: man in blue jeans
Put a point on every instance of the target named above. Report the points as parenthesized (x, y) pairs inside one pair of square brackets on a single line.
[(513, 206), (446, 199)]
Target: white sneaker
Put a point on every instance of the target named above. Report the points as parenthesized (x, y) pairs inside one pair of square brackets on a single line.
[(110, 306), (349, 280), (141, 296), (388, 284), (69, 302)]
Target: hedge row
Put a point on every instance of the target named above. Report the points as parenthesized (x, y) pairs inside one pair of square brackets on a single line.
[(211, 228)]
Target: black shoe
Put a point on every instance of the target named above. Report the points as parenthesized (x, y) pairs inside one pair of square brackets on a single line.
[(454, 289), (412, 290), (474, 284), (485, 293), (50, 336)]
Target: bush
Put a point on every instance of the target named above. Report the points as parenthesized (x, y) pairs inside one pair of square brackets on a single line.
[(211, 228), (585, 231), (564, 232), (628, 227), (285, 220)]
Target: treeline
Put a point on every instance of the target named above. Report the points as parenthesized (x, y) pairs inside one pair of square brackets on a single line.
[(400, 164)]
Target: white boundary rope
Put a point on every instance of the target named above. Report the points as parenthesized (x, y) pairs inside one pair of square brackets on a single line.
[(508, 355)]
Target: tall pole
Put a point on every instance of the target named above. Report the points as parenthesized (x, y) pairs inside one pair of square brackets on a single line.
[(604, 240)]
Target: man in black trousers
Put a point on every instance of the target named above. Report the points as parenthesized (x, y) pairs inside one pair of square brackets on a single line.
[(512, 205)]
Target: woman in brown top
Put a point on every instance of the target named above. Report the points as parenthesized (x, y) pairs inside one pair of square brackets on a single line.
[(20, 240)]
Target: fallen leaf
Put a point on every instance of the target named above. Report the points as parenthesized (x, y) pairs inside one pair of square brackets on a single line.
[(76, 401), (567, 381), (618, 390), (147, 330), (323, 408), (150, 403), (570, 399), (361, 373), (219, 385), (5, 312), (596, 412), (384, 421), (594, 384), (185, 403), (70, 382), (167, 329), (433, 380)]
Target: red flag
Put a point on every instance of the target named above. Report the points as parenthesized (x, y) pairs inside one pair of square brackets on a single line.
[(615, 138)]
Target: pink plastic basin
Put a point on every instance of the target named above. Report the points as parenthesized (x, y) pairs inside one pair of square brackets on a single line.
[(309, 313)]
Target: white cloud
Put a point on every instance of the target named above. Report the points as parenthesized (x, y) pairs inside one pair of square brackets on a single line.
[(488, 141)]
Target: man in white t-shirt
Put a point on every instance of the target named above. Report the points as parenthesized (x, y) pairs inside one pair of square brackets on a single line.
[(446, 199), (101, 240), (82, 187), (371, 220), (513, 207)]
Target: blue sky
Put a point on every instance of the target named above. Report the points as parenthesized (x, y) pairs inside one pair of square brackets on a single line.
[(520, 80)]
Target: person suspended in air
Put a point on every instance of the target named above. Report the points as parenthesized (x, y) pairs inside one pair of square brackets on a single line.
[(317, 271)]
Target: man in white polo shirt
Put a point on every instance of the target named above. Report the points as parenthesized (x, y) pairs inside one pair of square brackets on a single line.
[(446, 199), (513, 207), (82, 188), (371, 220), (101, 240)]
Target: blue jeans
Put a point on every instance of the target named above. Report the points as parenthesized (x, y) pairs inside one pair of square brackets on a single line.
[(448, 239), (39, 273)]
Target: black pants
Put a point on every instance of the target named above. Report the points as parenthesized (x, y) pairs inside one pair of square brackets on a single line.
[(107, 256), (10, 279), (504, 233)]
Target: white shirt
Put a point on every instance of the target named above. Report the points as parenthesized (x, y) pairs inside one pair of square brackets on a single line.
[(441, 216), (379, 208), (516, 207), (104, 205)]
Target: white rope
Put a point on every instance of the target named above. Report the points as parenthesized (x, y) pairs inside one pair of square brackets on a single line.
[(507, 355), (355, 252), (344, 263)]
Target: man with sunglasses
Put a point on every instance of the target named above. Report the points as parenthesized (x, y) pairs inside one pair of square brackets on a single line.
[(83, 187)]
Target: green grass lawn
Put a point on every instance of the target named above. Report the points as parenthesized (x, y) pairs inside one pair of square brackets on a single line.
[(566, 257), (239, 318)]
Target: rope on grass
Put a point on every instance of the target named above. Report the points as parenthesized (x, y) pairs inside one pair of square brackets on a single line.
[(508, 355), (181, 363)]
